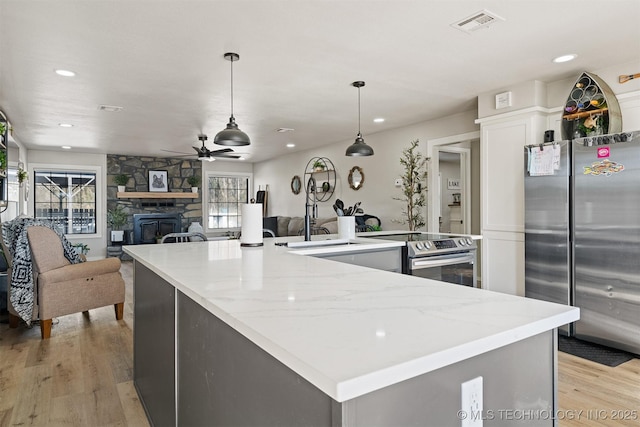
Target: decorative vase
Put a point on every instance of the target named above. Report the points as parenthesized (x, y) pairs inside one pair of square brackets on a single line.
[(347, 227), (195, 227), (122, 188), (194, 189)]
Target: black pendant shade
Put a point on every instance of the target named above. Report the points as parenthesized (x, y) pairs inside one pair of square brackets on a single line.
[(231, 135), (359, 147)]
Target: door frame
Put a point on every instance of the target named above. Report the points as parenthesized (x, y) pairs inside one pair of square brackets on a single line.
[(434, 147)]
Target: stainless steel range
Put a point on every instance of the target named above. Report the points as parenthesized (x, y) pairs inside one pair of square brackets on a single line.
[(441, 257)]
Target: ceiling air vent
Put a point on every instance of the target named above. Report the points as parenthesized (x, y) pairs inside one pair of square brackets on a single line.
[(482, 19), (110, 108)]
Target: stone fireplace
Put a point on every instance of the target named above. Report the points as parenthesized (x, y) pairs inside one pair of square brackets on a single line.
[(159, 215)]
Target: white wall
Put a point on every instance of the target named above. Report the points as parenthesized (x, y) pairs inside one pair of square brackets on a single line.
[(380, 170)]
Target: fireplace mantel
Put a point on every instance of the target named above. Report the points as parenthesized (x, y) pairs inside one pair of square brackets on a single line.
[(155, 195)]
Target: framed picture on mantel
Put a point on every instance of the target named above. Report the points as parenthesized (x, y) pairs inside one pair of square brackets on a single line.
[(158, 181)]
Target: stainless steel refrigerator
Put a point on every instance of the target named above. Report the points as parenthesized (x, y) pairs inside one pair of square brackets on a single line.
[(582, 236)]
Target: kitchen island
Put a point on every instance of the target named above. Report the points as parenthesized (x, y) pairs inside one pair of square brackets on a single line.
[(226, 335)]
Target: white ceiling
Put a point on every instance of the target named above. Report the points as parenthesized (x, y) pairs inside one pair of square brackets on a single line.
[(163, 62)]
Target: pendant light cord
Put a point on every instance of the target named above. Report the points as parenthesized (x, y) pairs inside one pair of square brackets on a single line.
[(359, 111), (232, 86)]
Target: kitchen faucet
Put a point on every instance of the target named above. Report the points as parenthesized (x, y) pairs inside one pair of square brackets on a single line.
[(309, 219)]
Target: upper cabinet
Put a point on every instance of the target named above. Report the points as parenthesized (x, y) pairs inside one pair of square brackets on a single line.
[(591, 109), (4, 142)]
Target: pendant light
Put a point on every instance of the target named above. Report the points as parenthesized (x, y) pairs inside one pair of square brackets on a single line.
[(231, 135), (359, 148)]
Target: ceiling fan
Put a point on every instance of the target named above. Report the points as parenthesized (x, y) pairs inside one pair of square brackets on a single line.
[(206, 155)]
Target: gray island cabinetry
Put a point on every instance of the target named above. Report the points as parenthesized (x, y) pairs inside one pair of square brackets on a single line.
[(225, 335)]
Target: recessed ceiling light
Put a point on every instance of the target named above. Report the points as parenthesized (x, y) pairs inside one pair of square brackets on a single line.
[(66, 147), (283, 130), (378, 120), (565, 58), (291, 145), (65, 73), (65, 125)]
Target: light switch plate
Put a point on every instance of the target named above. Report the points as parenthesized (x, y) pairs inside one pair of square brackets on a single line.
[(503, 100)]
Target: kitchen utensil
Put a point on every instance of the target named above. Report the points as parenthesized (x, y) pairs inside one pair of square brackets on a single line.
[(340, 204), (355, 207)]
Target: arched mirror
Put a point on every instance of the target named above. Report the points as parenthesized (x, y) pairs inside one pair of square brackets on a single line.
[(295, 184), (356, 178)]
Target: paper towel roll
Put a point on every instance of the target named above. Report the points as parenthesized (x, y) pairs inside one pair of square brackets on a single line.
[(251, 230)]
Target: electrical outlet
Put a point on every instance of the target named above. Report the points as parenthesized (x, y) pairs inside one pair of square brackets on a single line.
[(398, 182), (471, 411)]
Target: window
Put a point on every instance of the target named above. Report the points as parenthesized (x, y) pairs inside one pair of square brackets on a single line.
[(68, 199), (225, 195)]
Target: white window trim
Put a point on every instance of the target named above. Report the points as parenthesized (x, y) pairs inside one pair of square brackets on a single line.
[(100, 217), (205, 197)]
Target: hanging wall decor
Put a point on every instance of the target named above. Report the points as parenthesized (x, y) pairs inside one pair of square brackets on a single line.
[(591, 109)]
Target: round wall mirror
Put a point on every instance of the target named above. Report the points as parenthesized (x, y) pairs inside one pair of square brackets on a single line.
[(296, 184), (356, 178)]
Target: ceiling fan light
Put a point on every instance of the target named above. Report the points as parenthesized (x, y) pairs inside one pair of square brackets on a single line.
[(206, 158), (231, 135), (359, 148)]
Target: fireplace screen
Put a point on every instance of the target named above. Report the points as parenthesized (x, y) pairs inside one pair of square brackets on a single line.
[(148, 227)]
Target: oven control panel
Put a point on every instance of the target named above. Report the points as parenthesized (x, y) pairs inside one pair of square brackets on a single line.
[(444, 244), (441, 246)]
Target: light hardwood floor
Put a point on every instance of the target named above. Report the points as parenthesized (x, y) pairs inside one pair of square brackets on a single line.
[(83, 376)]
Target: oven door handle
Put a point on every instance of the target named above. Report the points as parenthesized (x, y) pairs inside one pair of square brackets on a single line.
[(439, 261)]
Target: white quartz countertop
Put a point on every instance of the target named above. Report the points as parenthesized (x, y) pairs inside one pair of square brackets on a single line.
[(348, 330)]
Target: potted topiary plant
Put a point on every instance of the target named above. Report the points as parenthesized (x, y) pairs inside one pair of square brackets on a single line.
[(121, 181), (412, 194), (116, 218), (193, 181)]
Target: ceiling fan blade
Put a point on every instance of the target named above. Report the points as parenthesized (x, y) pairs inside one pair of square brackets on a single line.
[(178, 152), (222, 151), (225, 156)]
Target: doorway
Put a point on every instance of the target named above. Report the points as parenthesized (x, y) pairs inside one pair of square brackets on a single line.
[(452, 188), (453, 205), (453, 198)]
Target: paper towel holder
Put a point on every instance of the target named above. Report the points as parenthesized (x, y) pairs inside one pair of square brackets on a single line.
[(253, 240)]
